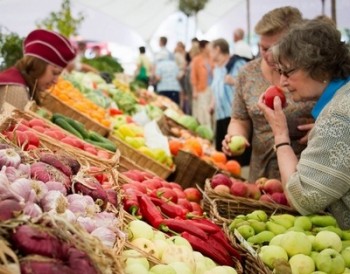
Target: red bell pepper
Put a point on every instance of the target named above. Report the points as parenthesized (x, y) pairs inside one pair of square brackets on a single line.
[(171, 210), (206, 249), (150, 213), (180, 226), (115, 111)]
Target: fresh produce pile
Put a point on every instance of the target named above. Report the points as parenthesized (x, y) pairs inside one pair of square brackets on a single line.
[(167, 207), (154, 251), (307, 243)]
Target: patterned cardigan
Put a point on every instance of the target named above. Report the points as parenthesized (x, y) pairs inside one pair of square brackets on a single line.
[(322, 179)]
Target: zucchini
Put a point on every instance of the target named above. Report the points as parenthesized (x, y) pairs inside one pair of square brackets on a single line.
[(109, 146), (65, 125)]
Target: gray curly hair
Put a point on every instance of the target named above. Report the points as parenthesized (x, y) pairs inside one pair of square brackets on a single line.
[(314, 46)]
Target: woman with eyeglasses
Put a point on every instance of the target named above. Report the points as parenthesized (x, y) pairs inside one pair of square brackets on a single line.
[(254, 78), (315, 64)]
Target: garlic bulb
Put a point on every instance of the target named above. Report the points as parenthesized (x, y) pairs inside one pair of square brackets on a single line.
[(53, 185), (14, 173), (106, 236), (87, 223), (54, 200), (9, 157), (24, 187), (32, 209), (82, 205)]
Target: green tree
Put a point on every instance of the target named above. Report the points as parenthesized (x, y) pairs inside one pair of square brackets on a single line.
[(62, 21), (10, 49)]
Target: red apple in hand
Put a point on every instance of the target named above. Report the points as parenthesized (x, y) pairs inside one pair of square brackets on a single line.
[(193, 194), (270, 93)]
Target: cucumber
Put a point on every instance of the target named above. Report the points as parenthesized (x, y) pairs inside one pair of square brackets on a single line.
[(65, 125), (99, 138), (109, 146), (57, 115), (78, 127)]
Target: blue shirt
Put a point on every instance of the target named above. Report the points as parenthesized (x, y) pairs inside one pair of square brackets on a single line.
[(167, 70), (223, 93)]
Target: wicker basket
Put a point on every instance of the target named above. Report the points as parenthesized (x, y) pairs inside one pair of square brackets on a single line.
[(251, 262), (191, 170), (54, 145), (224, 208), (53, 104), (141, 159)]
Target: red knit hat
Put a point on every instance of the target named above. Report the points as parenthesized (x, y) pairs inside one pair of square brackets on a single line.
[(50, 47)]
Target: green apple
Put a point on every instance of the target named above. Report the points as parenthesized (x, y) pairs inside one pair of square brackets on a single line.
[(327, 239), (276, 240), (181, 268), (296, 228), (345, 244), (296, 243), (311, 238), (330, 261), (178, 240), (258, 215), (145, 245), (237, 145), (200, 267), (303, 222), (314, 255), (134, 257), (139, 229), (162, 269), (246, 231), (270, 253), (135, 269), (347, 270), (346, 256), (216, 270), (318, 272), (301, 264), (334, 229)]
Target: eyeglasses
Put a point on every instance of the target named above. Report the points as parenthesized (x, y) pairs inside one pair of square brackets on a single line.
[(286, 73)]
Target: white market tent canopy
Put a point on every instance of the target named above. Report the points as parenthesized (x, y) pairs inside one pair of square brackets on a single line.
[(132, 23)]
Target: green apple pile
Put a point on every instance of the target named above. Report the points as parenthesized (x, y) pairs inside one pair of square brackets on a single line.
[(308, 243), (133, 135), (175, 254)]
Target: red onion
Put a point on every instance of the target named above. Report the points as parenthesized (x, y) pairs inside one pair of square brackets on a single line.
[(9, 157), (32, 265)]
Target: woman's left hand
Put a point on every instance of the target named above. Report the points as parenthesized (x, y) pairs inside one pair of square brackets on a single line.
[(276, 118)]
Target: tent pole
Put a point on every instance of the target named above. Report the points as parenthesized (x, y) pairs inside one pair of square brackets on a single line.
[(248, 20), (322, 7), (334, 11)]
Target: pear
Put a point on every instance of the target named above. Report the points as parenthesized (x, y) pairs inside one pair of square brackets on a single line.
[(282, 220), (345, 244), (236, 223), (275, 228), (258, 215), (289, 217), (246, 231), (346, 235), (262, 237), (257, 226), (303, 222), (296, 228), (318, 220)]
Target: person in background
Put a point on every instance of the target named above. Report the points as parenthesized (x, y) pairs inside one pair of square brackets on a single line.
[(77, 63), (241, 47), (315, 63), (254, 78), (201, 77), (166, 75), (143, 67), (180, 59), (45, 55), (221, 103)]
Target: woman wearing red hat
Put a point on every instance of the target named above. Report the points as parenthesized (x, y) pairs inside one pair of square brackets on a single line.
[(46, 54)]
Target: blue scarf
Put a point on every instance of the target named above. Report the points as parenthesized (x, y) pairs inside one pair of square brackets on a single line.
[(327, 95)]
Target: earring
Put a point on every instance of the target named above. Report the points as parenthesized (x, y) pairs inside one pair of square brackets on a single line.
[(325, 81)]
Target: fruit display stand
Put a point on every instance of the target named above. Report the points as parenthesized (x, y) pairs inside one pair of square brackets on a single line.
[(224, 207), (191, 170), (54, 104), (251, 262), (170, 127), (126, 164), (55, 145), (141, 159)]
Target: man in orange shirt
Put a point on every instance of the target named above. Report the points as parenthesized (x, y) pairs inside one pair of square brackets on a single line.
[(201, 77)]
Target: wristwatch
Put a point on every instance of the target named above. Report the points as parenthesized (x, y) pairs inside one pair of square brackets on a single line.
[(275, 147)]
